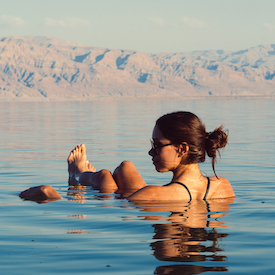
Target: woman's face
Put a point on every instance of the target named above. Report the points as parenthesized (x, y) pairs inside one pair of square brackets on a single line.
[(165, 155)]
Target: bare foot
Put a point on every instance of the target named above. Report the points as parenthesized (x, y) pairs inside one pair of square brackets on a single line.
[(77, 161)]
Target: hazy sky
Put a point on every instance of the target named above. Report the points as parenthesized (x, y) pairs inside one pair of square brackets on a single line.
[(145, 25)]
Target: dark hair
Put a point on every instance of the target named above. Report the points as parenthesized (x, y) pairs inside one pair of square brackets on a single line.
[(181, 127)]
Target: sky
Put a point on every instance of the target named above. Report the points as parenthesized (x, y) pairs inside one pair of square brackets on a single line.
[(150, 26)]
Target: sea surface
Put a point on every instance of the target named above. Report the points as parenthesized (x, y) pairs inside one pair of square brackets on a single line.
[(87, 232)]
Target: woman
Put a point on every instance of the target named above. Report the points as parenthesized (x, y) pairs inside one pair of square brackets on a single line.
[(179, 143)]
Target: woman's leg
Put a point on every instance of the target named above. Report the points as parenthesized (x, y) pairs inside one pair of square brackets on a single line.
[(125, 177), (77, 161), (128, 178), (80, 169)]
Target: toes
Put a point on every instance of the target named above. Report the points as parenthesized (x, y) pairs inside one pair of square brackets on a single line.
[(73, 151), (70, 157), (78, 152), (90, 167), (83, 148), (77, 149)]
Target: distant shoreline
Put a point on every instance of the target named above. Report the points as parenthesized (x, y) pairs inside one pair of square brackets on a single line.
[(49, 69)]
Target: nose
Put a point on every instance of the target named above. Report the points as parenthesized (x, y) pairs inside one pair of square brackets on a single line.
[(152, 152)]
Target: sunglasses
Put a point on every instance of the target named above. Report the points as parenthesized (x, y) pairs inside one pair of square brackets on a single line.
[(157, 146)]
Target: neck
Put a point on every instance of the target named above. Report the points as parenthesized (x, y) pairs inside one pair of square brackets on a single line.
[(187, 173)]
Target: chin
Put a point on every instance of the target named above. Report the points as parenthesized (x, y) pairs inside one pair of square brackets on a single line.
[(161, 170)]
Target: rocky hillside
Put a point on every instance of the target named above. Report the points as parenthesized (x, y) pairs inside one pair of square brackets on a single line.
[(45, 68)]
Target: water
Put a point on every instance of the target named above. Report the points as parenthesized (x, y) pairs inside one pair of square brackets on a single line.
[(88, 232)]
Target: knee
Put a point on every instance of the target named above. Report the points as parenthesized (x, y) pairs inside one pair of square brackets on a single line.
[(124, 166), (104, 173)]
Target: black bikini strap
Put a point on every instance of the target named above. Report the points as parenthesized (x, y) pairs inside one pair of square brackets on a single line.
[(207, 189), (208, 215), (184, 187)]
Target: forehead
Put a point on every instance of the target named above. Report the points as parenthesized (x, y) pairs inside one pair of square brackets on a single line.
[(157, 134)]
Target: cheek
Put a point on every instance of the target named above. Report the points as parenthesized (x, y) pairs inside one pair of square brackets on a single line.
[(165, 161), (170, 159), (167, 156)]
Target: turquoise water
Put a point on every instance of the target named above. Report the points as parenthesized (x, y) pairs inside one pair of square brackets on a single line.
[(88, 232)]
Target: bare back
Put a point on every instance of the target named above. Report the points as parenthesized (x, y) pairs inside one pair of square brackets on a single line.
[(217, 189)]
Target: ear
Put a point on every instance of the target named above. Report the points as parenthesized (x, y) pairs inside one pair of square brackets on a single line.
[(183, 148)]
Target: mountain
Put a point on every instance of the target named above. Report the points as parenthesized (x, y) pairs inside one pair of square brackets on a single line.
[(46, 68)]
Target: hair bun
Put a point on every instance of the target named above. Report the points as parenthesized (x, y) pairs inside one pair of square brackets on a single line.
[(215, 140)]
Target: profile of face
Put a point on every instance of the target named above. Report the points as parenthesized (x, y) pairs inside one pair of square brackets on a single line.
[(166, 156)]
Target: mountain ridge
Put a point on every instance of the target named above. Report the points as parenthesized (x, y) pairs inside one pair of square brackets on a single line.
[(46, 68)]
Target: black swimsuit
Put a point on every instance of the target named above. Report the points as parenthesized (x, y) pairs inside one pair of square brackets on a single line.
[(206, 192)]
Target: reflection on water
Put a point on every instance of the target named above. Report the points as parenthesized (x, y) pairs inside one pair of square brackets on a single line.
[(186, 244), (183, 232), (190, 234), (186, 269), (77, 232), (78, 216), (78, 193)]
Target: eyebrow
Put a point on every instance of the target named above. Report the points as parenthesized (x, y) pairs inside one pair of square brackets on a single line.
[(157, 141)]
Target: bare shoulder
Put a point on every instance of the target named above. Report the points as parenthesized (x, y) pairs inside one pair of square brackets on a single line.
[(146, 193), (160, 193), (220, 188)]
